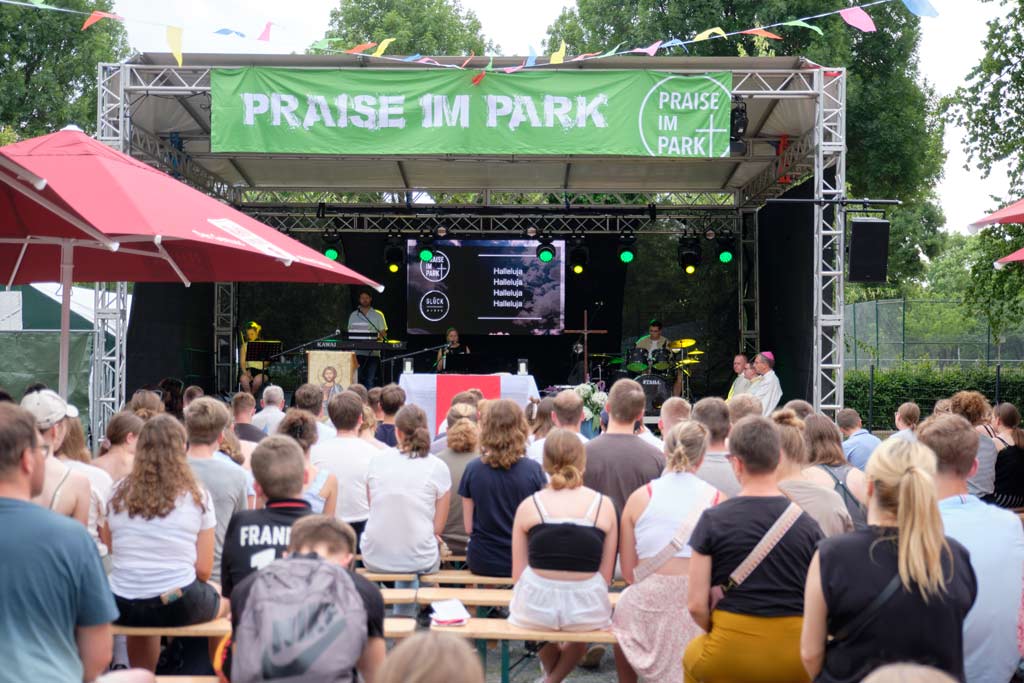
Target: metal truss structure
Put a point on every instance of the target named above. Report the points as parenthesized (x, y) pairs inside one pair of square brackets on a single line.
[(816, 155), (110, 327)]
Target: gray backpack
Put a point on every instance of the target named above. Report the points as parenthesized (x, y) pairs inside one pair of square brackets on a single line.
[(304, 620)]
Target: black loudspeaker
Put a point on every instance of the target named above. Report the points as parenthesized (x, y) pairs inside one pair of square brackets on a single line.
[(869, 250)]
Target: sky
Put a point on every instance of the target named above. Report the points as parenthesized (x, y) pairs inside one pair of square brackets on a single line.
[(951, 45)]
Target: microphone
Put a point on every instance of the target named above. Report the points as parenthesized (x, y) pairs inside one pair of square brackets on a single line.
[(337, 331)]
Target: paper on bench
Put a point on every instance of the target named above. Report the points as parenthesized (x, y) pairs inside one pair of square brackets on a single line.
[(449, 613)]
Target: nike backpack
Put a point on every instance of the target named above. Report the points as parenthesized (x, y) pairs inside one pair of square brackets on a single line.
[(303, 620)]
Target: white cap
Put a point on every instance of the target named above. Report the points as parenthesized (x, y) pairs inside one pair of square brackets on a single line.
[(48, 408)]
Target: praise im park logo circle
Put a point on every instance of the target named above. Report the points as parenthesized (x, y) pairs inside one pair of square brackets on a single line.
[(437, 268), (678, 119)]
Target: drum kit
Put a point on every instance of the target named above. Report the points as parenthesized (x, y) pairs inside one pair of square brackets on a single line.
[(656, 370)]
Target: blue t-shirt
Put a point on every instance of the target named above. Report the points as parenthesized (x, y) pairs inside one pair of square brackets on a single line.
[(386, 434), (52, 582), (496, 494)]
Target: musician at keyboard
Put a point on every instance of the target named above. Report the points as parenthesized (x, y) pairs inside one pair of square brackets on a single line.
[(367, 323), (254, 372)]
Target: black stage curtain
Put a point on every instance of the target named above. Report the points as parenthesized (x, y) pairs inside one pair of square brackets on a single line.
[(786, 251), (170, 335)]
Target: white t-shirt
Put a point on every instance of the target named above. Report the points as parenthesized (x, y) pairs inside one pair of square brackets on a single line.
[(347, 458), (268, 419), (650, 438), (535, 451), (399, 533), (100, 487), (324, 431), (153, 556)]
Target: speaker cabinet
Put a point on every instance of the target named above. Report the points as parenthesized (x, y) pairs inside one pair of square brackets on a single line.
[(869, 250)]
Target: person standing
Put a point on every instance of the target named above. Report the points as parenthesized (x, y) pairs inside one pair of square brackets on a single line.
[(974, 407), (995, 541), (1009, 439), (740, 385), (57, 607), (367, 323), (766, 385), (896, 591), (454, 348), (64, 491)]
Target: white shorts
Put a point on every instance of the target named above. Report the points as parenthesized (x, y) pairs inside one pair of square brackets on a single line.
[(541, 603)]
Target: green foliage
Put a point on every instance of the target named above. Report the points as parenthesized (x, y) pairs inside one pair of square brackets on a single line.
[(48, 70), (996, 293), (989, 105), (427, 27), (924, 384), (894, 133)]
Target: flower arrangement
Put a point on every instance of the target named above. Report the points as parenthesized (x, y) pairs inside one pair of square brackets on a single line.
[(594, 401)]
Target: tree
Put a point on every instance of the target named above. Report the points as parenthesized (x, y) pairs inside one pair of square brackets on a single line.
[(894, 133), (989, 105), (996, 294), (427, 27), (48, 71)]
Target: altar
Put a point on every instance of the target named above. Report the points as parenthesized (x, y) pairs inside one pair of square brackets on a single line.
[(434, 393)]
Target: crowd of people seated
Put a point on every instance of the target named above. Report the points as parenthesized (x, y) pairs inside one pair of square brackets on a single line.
[(787, 547)]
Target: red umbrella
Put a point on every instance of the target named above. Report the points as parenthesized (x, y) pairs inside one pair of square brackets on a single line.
[(74, 209), (1014, 213)]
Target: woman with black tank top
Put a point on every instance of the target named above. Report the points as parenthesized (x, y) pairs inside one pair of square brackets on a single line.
[(897, 591), (829, 467), (563, 555), (1009, 439)]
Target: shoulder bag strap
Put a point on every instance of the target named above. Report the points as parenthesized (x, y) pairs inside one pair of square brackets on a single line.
[(767, 543), (648, 566), (861, 619)]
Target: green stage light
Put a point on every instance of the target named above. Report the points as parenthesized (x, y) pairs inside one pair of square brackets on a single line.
[(331, 253), (627, 254), (725, 257), (426, 254), (546, 253), (725, 249)]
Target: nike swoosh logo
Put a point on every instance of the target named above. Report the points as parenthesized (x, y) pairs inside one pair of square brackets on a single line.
[(301, 663)]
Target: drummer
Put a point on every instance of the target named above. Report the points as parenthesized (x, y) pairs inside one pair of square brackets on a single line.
[(654, 341)]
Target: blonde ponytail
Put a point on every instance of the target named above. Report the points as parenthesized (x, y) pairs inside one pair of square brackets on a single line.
[(564, 459), (685, 446), (903, 474)]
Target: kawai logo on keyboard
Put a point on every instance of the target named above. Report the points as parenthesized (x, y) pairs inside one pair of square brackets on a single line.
[(301, 639)]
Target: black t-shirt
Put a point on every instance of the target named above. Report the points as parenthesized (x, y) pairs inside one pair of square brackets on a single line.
[(731, 529), (373, 601), (1010, 476), (386, 434), (248, 432), (496, 494), (255, 538), (855, 568)]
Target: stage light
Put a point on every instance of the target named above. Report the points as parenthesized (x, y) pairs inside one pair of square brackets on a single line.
[(545, 250), (627, 246), (330, 237), (688, 254), (725, 249), (331, 253), (394, 254), (579, 256), (424, 245), (738, 119), (426, 253)]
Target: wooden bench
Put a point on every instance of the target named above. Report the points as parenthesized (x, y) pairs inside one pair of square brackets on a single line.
[(477, 597), (384, 577), (394, 627), (398, 596), (502, 631), (466, 578)]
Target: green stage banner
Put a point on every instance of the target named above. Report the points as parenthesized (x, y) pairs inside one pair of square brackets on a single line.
[(415, 111)]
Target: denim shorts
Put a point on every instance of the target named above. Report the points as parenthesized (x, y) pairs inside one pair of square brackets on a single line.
[(199, 602)]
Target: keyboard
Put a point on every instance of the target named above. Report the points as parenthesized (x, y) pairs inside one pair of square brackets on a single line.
[(357, 345)]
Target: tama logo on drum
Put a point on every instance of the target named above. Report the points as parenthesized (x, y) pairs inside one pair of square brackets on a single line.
[(434, 306)]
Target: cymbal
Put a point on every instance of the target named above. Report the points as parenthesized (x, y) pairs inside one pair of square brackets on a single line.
[(690, 361), (682, 343), (695, 352)]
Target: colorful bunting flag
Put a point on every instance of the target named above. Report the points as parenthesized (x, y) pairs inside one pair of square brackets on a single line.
[(174, 34), (428, 60), (761, 32), (803, 24), (921, 8), (412, 58), (479, 77), (513, 69), (585, 55), (39, 3), (612, 51), (490, 65), (96, 16), (382, 47), (675, 42), (704, 35), (649, 50), (265, 35), (232, 32), (858, 18), (359, 49), (532, 59), (558, 56), (468, 59)]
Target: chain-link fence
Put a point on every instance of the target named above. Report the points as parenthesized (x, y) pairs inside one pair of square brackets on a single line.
[(889, 333)]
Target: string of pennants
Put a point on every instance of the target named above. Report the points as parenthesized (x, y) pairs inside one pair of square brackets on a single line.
[(857, 17)]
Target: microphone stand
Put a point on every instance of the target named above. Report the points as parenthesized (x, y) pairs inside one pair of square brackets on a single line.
[(279, 356), (414, 353)]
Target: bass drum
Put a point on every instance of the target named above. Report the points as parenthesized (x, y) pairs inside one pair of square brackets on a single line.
[(657, 389), (637, 360)]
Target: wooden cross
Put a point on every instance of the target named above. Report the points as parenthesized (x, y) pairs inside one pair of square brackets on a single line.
[(586, 332)]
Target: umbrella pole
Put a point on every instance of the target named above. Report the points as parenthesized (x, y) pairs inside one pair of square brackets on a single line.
[(66, 272)]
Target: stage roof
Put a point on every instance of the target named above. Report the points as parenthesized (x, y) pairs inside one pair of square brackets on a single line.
[(172, 104)]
